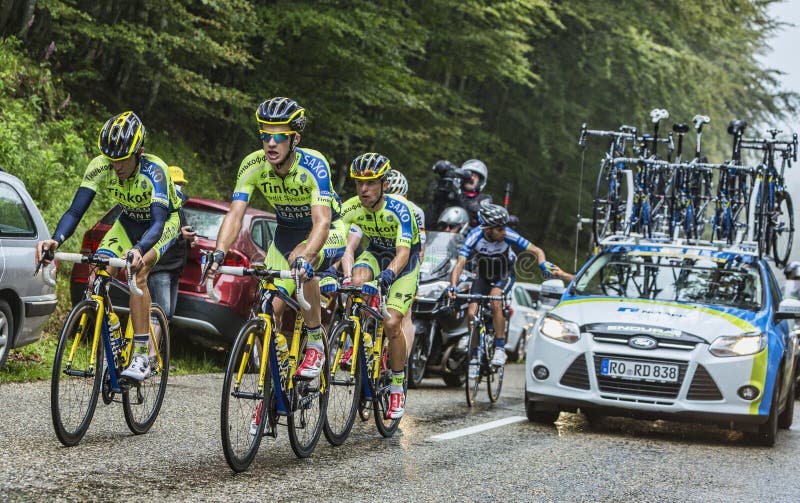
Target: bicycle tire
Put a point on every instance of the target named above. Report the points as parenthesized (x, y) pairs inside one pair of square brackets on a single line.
[(141, 413), (72, 422), (344, 396), (494, 376), (762, 220), (381, 391), (782, 228), (471, 385), (309, 406), (239, 444), (605, 205)]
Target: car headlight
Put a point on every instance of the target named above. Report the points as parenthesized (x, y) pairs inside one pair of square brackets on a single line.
[(559, 329), (738, 345), (432, 291)]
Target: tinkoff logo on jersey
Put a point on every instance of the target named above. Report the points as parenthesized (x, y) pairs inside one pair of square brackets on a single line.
[(257, 160), (279, 190)]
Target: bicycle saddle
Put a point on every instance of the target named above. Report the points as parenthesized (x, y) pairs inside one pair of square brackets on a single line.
[(680, 128), (736, 126)]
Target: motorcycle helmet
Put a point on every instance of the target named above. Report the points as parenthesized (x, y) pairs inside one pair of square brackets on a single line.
[(477, 166), (454, 217)]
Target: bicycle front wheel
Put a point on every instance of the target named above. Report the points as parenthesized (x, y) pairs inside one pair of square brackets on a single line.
[(244, 409), (142, 402), (309, 404), (76, 377), (607, 206), (782, 228), (473, 370), (345, 388)]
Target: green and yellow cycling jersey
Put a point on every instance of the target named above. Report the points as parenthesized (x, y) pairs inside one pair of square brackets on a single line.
[(307, 184), (390, 226), (150, 184)]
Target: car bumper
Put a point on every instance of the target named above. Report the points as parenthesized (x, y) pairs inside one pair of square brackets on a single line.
[(706, 388)]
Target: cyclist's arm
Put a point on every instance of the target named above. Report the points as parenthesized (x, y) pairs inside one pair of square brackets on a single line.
[(538, 252), (69, 221), (231, 226), (457, 270), (400, 259), (349, 258), (321, 218), (158, 217)]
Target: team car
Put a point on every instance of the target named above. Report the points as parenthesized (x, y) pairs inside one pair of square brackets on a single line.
[(668, 331)]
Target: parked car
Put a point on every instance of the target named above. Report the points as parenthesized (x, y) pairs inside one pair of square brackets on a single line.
[(26, 302), (523, 315), (668, 331), (209, 323)]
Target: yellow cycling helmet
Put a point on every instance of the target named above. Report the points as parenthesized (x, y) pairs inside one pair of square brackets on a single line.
[(121, 136), (176, 174), (281, 110), (369, 166)]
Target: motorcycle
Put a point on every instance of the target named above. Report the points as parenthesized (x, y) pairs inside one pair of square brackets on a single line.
[(440, 327)]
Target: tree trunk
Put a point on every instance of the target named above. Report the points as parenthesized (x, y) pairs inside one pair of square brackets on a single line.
[(27, 8)]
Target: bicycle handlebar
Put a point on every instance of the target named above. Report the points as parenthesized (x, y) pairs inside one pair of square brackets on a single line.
[(257, 272), (78, 258)]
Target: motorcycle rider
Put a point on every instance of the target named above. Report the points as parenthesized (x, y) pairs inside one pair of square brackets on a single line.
[(490, 246), (471, 197), (453, 219)]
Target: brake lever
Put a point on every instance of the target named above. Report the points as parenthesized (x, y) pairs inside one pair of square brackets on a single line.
[(48, 255)]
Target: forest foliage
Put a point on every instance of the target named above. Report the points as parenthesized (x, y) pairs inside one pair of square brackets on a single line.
[(508, 82)]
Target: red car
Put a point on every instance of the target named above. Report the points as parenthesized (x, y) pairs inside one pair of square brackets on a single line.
[(214, 324)]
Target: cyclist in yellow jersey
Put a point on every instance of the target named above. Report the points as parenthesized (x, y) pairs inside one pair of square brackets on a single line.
[(310, 233), (391, 257), (147, 226)]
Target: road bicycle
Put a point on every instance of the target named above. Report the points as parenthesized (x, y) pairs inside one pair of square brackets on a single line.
[(482, 339), (260, 388), (93, 351), (360, 373), (729, 223)]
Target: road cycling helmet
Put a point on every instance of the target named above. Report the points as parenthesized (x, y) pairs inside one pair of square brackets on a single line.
[(122, 136), (369, 166), (397, 183), (476, 166), (280, 110), (492, 215), (792, 270), (454, 217)]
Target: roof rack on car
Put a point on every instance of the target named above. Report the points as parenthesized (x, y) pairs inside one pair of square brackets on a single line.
[(633, 239)]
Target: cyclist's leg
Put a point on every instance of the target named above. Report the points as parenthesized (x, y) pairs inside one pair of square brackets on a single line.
[(499, 288), (401, 295), (365, 269)]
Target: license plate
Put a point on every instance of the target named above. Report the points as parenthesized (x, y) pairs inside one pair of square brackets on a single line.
[(641, 371)]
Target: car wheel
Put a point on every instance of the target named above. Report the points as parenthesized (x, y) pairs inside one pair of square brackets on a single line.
[(592, 416), (768, 431), (539, 413), (520, 351), (787, 416), (453, 380), (6, 331)]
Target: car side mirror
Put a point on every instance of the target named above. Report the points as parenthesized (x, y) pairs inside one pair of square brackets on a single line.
[(551, 292), (788, 309)]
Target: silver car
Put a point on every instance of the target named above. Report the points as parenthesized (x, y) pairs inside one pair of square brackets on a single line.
[(525, 312), (26, 302)]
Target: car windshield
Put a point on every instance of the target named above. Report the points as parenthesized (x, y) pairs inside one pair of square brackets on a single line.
[(206, 223), (695, 278)]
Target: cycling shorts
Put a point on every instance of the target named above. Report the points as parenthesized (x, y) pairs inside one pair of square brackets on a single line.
[(482, 286), (404, 288), (287, 239), (121, 237)]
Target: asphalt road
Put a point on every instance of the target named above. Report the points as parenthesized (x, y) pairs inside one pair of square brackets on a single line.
[(181, 457)]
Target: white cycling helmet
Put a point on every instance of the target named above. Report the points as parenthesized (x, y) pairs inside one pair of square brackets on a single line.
[(477, 166), (397, 183)]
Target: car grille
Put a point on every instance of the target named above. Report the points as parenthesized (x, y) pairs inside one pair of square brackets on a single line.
[(577, 375), (663, 342), (643, 388), (703, 386)]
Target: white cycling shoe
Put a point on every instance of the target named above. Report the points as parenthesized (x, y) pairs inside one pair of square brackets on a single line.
[(499, 358), (139, 368)]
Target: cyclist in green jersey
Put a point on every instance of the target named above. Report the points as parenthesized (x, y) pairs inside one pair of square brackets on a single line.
[(147, 226), (391, 257), (310, 232)]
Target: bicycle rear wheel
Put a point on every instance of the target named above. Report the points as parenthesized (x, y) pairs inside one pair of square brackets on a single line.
[(782, 228), (75, 383), (345, 389), (381, 391), (142, 401), (473, 382), (309, 405), (244, 411), (494, 378), (606, 210)]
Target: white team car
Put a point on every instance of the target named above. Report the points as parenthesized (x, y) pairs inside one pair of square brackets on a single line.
[(671, 332)]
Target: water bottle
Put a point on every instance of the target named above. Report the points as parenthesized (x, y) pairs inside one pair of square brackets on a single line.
[(114, 326), (367, 340)]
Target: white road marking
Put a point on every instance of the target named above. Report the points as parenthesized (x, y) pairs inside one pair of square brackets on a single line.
[(479, 428)]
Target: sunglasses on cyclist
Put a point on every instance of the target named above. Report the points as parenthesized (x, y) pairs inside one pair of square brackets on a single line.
[(278, 137)]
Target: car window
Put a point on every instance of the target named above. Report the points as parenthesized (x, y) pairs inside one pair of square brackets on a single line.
[(271, 225), (521, 296), (533, 295), (648, 274), (15, 219), (257, 233), (206, 223)]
